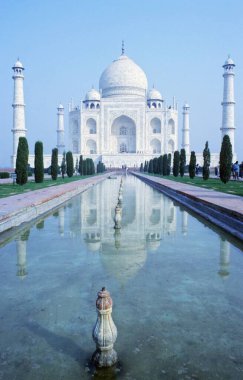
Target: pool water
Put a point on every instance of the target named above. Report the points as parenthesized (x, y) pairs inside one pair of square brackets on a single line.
[(176, 284)]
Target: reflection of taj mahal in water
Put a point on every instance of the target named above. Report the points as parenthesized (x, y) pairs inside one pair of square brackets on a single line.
[(148, 219)]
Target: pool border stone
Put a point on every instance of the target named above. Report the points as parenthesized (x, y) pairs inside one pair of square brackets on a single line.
[(224, 216), (21, 208)]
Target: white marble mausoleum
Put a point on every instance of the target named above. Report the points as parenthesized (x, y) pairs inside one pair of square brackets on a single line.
[(123, 123)]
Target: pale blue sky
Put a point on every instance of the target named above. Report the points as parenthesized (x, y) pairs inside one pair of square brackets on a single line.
[(65, 45)]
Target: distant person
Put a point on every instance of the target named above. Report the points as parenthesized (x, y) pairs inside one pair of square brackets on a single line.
[(236, 169), (197, 169)]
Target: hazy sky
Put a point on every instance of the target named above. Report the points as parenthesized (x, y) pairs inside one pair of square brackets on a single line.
[(65, 45)]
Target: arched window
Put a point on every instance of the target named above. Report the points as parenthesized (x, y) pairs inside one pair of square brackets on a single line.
[(91, 147), (97, 106), (171, 127), (155, 146), (171, 146), (123, 148), (91, 126), (154, 105), (123, 131), (156, 125), (92, 106)]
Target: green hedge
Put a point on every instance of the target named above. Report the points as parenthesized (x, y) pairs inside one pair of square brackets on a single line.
[(4, 175)]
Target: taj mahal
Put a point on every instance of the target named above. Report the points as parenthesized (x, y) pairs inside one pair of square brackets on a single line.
[(123, 123)]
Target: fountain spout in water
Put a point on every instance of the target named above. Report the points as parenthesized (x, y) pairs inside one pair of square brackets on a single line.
[(104, 332)]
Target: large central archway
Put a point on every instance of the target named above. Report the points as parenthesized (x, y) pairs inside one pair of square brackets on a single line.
[(123, 135)]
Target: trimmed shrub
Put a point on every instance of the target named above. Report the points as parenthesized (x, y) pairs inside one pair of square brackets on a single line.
[(165, 161), (80, 166), (206, 162), (192, 165), (39, 164), (70, 168), (168, 164), (150, 167), (22, 161), (182, 162), (54, 164), (4, 175), (176, 163), (225, 162)]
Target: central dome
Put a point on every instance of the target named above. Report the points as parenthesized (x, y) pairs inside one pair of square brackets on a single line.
[(123, 77)]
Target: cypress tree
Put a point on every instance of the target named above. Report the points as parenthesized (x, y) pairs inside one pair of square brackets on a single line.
[(92, 167), (168, 164), (80, 167), (192, 165), (206, 161), (63, 165), (39, 165), (176, 163), (54, 163), (165, 160), (155, 165), (160, 165), (145, 167), (76, 166), (85, 167), (141, 167), (22, 161), (69, 159), (225, 160), (150, 166), (182, 162)]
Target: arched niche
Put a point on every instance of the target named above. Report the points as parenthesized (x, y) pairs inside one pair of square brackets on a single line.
[(91, 126), (155, 125), (91, 147), (171, 146), (155, 146), (171, 127), (123, 135)]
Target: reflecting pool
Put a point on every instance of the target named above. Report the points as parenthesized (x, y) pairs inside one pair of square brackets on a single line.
[(176, 284)]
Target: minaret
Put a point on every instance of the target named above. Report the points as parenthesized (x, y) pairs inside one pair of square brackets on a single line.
[(18, 105), (185, 129), (228, 103), (60, 129)]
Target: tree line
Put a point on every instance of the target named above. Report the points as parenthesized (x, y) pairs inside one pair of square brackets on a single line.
[(162, 165), (83, 166)]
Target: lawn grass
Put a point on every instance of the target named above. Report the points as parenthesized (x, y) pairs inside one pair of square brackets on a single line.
[(9, 189), (231, 187)]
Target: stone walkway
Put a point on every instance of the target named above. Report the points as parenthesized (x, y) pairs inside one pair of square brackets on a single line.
[(21, 208), (230, 202)]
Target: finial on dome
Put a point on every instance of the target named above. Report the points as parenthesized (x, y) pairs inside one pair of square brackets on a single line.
[(123, 48)]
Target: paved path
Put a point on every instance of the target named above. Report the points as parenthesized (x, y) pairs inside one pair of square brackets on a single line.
[(229, 202), (221, 209), (20, 208)]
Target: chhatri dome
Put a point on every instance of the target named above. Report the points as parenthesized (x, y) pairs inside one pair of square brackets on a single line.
[(93, 95), (123, 77), (154, 94)]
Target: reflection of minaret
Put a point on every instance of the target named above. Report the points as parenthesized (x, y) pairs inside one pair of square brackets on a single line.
[(18, 108), (61, 220), (224, 257), (21, 258), (184, 224)]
